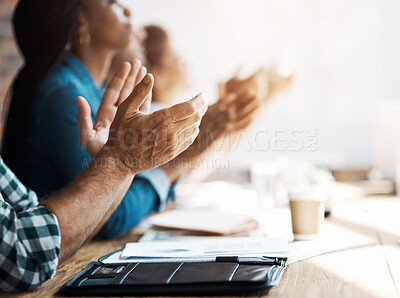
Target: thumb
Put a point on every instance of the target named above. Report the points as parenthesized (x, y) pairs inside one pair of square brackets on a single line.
[(139, 94), (84, 115)]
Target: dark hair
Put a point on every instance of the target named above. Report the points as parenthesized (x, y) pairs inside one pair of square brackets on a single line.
[(155, 44), (45, 30)]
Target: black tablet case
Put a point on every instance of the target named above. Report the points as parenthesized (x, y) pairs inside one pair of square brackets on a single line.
[(224, 276)]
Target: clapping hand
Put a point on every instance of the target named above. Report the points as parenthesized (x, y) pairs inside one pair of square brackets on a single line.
[(94, 136), (140, 141)]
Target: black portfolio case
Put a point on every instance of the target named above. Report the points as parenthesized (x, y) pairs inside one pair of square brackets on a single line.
[(224, 276)]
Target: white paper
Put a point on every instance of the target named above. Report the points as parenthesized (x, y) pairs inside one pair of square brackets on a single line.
[(271, 247), (204, 221), (302, 250), (232, 246)]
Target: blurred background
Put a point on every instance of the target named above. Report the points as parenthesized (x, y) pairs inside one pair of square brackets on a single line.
[(344, 56)]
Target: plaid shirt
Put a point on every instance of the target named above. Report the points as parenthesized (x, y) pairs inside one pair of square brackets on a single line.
[(30, 236)]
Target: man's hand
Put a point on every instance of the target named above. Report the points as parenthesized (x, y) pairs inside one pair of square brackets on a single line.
[(93, 136), (144, 141)]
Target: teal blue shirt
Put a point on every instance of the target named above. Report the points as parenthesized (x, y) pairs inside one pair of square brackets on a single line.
[(55, 157)]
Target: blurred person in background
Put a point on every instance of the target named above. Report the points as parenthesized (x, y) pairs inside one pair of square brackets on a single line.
[(168, 66)]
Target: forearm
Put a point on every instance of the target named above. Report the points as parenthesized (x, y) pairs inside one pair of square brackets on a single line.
[(140, 200), (82, 205), (113, 207)]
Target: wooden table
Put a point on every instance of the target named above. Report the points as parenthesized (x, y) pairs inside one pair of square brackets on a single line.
[(370, 269)]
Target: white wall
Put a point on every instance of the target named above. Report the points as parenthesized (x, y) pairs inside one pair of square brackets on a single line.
[(345, 54)]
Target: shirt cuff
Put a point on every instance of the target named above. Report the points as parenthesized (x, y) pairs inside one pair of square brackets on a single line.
[(160, 181)]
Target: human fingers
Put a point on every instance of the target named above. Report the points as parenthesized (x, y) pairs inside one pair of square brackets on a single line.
[(116, 84), (109, 102), (227, 100), (139, 94), (187, 109), (248, 111), (130, 81), (180, 142), (241, 103), (84, 117), (188, 136), (247, 102), (141, 73), (183, 125), (146, 106), (244, 123), (168, 130)]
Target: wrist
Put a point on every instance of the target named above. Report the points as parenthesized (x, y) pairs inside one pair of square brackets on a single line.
[(173, 173), (112, 159)]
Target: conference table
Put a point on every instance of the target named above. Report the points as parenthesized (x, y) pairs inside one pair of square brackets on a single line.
[(369, 267)]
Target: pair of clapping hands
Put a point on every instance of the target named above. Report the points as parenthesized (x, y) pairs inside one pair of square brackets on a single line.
[(265, 82), (139, 140), (240, 99)]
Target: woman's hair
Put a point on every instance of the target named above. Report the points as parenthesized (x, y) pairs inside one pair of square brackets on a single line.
[(45, 31), (155, 44)]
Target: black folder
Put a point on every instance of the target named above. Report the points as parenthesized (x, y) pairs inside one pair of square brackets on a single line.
[(227, 275)]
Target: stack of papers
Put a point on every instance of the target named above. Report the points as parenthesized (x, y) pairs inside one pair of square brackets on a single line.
[(206, 222), (232, 246), (206, 250), (200, 250)]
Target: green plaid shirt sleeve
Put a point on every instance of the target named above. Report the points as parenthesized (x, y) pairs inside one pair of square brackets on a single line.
[(30, 236)]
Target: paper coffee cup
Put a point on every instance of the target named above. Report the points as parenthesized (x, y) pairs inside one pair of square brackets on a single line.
[(307, 211)]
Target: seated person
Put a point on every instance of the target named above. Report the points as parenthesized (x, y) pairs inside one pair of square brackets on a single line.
[(169, 69), (37, 237), (68, 47)]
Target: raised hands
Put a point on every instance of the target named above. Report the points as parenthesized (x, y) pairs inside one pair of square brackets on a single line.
[(140, 141), (230, 114), (266, 82), (144, 141), (236, 111), (257, 82), (92, 137)]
